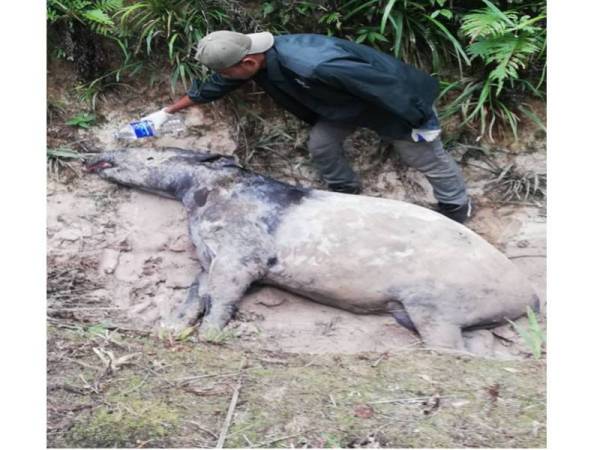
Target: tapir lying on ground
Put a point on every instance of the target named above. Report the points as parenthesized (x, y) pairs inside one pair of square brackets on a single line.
[(361, 254)]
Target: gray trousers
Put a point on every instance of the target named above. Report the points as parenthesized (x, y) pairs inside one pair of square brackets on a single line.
[(325, 145)]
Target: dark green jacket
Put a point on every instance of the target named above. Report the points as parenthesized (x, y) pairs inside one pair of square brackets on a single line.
[(318, 77)]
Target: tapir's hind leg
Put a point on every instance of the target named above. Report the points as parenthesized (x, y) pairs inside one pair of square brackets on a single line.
[(443, 335), (434, 331)]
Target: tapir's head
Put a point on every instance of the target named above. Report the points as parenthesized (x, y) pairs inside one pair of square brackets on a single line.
[(169, 171)]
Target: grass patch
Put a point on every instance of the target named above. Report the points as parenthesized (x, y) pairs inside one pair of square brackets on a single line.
[(125, 425), (176, 394)]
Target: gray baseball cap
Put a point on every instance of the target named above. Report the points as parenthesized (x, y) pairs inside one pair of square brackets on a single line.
[(222, 49)]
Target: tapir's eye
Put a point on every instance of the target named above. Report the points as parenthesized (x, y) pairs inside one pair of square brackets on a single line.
[(150, 158)]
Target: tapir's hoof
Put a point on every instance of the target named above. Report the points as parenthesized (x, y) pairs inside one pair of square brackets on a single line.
[(182, 316)]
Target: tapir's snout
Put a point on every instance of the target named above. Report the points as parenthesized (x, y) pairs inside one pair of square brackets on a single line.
[(99, 162), (97, 167)]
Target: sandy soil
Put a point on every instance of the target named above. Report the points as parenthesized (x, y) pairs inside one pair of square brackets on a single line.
[(135, 249)]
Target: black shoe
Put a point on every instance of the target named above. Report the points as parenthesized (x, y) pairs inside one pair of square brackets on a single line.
[(458, 213), (346, 189)]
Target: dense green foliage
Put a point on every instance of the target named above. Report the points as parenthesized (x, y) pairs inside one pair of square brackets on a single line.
[(489, 54)]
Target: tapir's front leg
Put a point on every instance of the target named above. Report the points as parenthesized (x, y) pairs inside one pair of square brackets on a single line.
[(189, 312), (228, 279)]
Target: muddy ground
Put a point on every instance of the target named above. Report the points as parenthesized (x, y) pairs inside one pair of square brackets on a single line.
[(303, 374)]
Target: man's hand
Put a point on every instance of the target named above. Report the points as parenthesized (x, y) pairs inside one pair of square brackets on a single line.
[(158, 118), (425, 135)]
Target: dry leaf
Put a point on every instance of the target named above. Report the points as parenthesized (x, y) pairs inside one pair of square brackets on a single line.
[(493, 391)]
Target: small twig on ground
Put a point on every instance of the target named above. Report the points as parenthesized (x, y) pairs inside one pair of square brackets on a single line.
[(110, 340), (387, 424), (264, 444), (310, 363), (248, 441), (376, 363), (526, 256), (71, 409), (273, 361), (445, 351), (479, 167), (63, 324), (483, 150), (407, 400), (412, 345), (142, 444), (332, 399), (202, 428), (232, 406), (536, 205), (84, 365), (241, 430), (68, 388), (187, 380), (87, 385), (155, 373)]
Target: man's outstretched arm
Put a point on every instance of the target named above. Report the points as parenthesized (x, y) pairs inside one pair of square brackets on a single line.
[(200, 92), (182, 103)]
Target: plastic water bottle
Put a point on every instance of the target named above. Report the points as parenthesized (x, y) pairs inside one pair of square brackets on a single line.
[(145, 128)]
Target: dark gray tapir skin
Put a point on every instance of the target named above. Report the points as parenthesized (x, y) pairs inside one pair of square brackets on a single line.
[(361, 254)]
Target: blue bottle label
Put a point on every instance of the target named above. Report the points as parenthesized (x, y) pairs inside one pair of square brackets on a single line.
[(142, 128)]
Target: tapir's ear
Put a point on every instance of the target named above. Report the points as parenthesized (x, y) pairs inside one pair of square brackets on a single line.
[(203, 158), (206, 158), (219, 160)]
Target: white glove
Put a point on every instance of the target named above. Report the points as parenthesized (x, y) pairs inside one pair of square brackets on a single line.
[(158, 118), (420, 135)]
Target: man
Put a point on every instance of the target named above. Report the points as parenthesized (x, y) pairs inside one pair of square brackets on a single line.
[(336, 86)]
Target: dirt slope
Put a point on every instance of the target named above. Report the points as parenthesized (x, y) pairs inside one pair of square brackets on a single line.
[(145, 261)]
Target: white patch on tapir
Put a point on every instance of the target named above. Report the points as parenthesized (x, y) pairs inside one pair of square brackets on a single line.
[(362, 249)]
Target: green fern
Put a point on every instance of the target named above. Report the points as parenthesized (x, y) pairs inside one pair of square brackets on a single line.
[(533, 335), (58, 159), (94, 14), (488, 21), (503, 40), (99, 21), (109, 5), (508, 53), (504, 43)]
